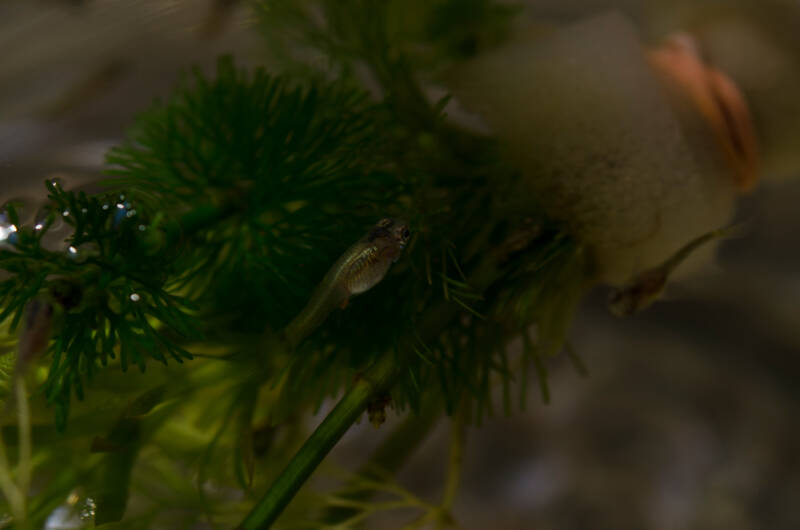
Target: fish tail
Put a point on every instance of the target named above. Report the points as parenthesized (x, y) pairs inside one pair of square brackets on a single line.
[(313, 315)]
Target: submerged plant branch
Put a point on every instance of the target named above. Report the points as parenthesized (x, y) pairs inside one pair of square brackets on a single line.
[(388, 458), (380, 377), (239, 192), (16, 492), (375, 380), (457, 439)]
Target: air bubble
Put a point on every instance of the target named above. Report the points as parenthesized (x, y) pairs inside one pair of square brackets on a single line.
[(46, 217), (135, 297), (119, 215), (88, 511), (7, 231)]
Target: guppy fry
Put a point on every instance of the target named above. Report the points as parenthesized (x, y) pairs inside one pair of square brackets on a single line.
[(648, 285), (361, 267)]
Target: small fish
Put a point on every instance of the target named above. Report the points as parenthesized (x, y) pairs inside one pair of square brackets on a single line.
[(360, 268), (36, 331), (648, 286), (34, 337)]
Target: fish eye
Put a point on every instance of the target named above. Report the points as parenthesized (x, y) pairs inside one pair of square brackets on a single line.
[(406, 233)]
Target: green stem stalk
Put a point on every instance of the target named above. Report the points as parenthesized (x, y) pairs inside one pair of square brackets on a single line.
[(457, 436), (389, 457), (16, 493), (9, 489), (375, 380), (24, 469)]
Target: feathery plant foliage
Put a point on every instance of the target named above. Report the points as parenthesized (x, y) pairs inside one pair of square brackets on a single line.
[(229, 202), (290, 161), (110, 284)]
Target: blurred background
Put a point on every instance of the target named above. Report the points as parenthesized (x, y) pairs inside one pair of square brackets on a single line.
[(688, 418)]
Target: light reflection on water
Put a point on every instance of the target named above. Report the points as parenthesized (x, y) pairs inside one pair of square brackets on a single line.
[(6, 230), (72, 515)]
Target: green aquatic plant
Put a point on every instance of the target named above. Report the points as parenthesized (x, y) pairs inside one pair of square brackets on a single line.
[(228, 203)]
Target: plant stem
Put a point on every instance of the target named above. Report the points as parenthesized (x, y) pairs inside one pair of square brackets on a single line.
[(375, 380), (10, 491), (16, 493), (389, 456), (24, 469), (457, 437)]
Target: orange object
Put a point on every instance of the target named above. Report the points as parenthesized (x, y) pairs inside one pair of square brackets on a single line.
[(718, 100)]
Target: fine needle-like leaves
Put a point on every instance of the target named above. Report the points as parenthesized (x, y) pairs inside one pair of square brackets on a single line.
[(224, 208)]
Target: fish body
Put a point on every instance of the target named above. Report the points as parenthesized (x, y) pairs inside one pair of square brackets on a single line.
[(648, 286), (361, 267), (645, 289), (35, 334)]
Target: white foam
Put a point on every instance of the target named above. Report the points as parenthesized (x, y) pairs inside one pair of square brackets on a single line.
[(602, 145)]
